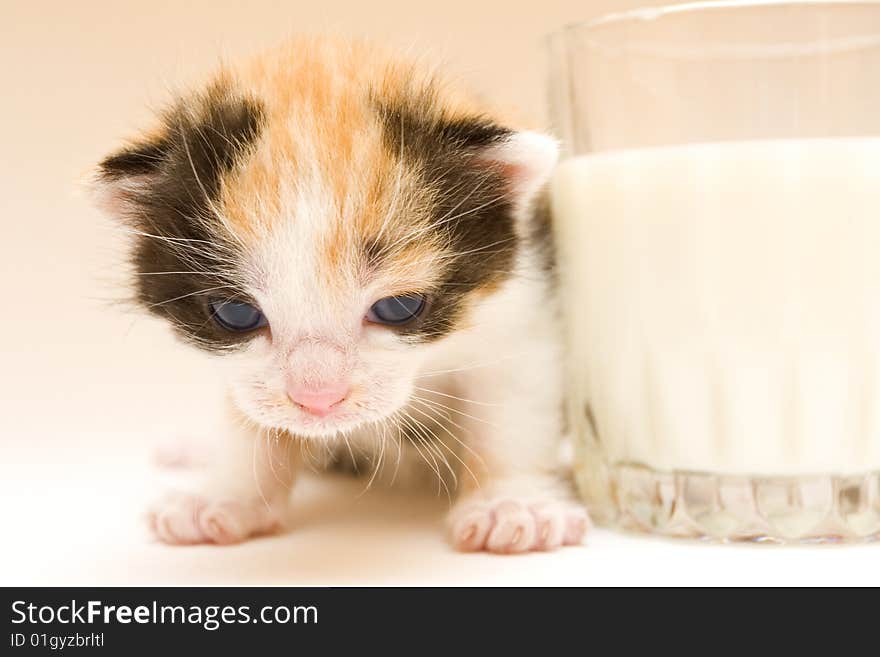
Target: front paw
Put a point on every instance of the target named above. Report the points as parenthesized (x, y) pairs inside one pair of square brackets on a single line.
[(510, 526), (188, 519)]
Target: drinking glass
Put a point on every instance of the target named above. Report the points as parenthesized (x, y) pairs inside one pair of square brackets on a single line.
[(717, 217)]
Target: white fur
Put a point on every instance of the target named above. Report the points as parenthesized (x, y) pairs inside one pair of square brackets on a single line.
[(530, 156)]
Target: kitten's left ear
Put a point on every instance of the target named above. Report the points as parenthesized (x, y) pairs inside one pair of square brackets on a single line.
[(526, 160)]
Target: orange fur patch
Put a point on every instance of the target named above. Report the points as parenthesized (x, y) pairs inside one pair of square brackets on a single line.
[(319, 121)]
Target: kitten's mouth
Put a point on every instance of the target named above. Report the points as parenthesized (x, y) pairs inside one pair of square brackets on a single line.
[(332, 422), (324, 427)]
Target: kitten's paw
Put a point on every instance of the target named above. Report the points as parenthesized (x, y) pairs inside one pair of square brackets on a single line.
[(186, 519), (510, 526)]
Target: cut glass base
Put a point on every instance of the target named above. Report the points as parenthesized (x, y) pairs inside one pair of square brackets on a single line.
[(804, 509)]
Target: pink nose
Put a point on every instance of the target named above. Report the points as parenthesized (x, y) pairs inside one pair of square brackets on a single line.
[(318, 401)]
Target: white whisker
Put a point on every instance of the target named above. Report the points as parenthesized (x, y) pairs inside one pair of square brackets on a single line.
[(443, 394), (190, 294), (452, 451), (453, 410)]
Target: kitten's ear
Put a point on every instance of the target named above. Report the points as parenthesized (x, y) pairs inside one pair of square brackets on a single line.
[(526, 159), (122, 178)]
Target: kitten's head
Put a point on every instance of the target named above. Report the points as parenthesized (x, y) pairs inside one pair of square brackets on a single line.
[(322, 218)]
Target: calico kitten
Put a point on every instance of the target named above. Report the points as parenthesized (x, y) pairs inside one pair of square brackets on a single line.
[(360, 244)]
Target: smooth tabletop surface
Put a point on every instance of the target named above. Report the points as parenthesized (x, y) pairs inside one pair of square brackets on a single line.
[(72, 515)]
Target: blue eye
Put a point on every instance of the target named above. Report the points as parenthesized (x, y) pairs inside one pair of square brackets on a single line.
[(237, 316), (396, 311)]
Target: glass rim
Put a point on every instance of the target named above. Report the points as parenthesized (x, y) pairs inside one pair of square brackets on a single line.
[(642, 14)]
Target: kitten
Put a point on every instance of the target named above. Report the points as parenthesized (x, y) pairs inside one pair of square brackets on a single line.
[(361, 246)]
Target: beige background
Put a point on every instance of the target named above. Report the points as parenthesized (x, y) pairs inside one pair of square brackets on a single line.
[(86, 388)]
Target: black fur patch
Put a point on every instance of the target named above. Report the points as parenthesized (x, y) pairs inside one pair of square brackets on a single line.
[(173, 182), (541, 234), (139, 160), (474, 215)]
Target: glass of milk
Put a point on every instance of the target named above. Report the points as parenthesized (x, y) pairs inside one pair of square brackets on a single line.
[(718, 227)]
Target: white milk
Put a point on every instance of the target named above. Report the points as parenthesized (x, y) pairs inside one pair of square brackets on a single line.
[(723, 304)]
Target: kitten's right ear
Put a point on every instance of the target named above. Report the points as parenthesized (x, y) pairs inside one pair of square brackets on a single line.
[(121, 179)]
